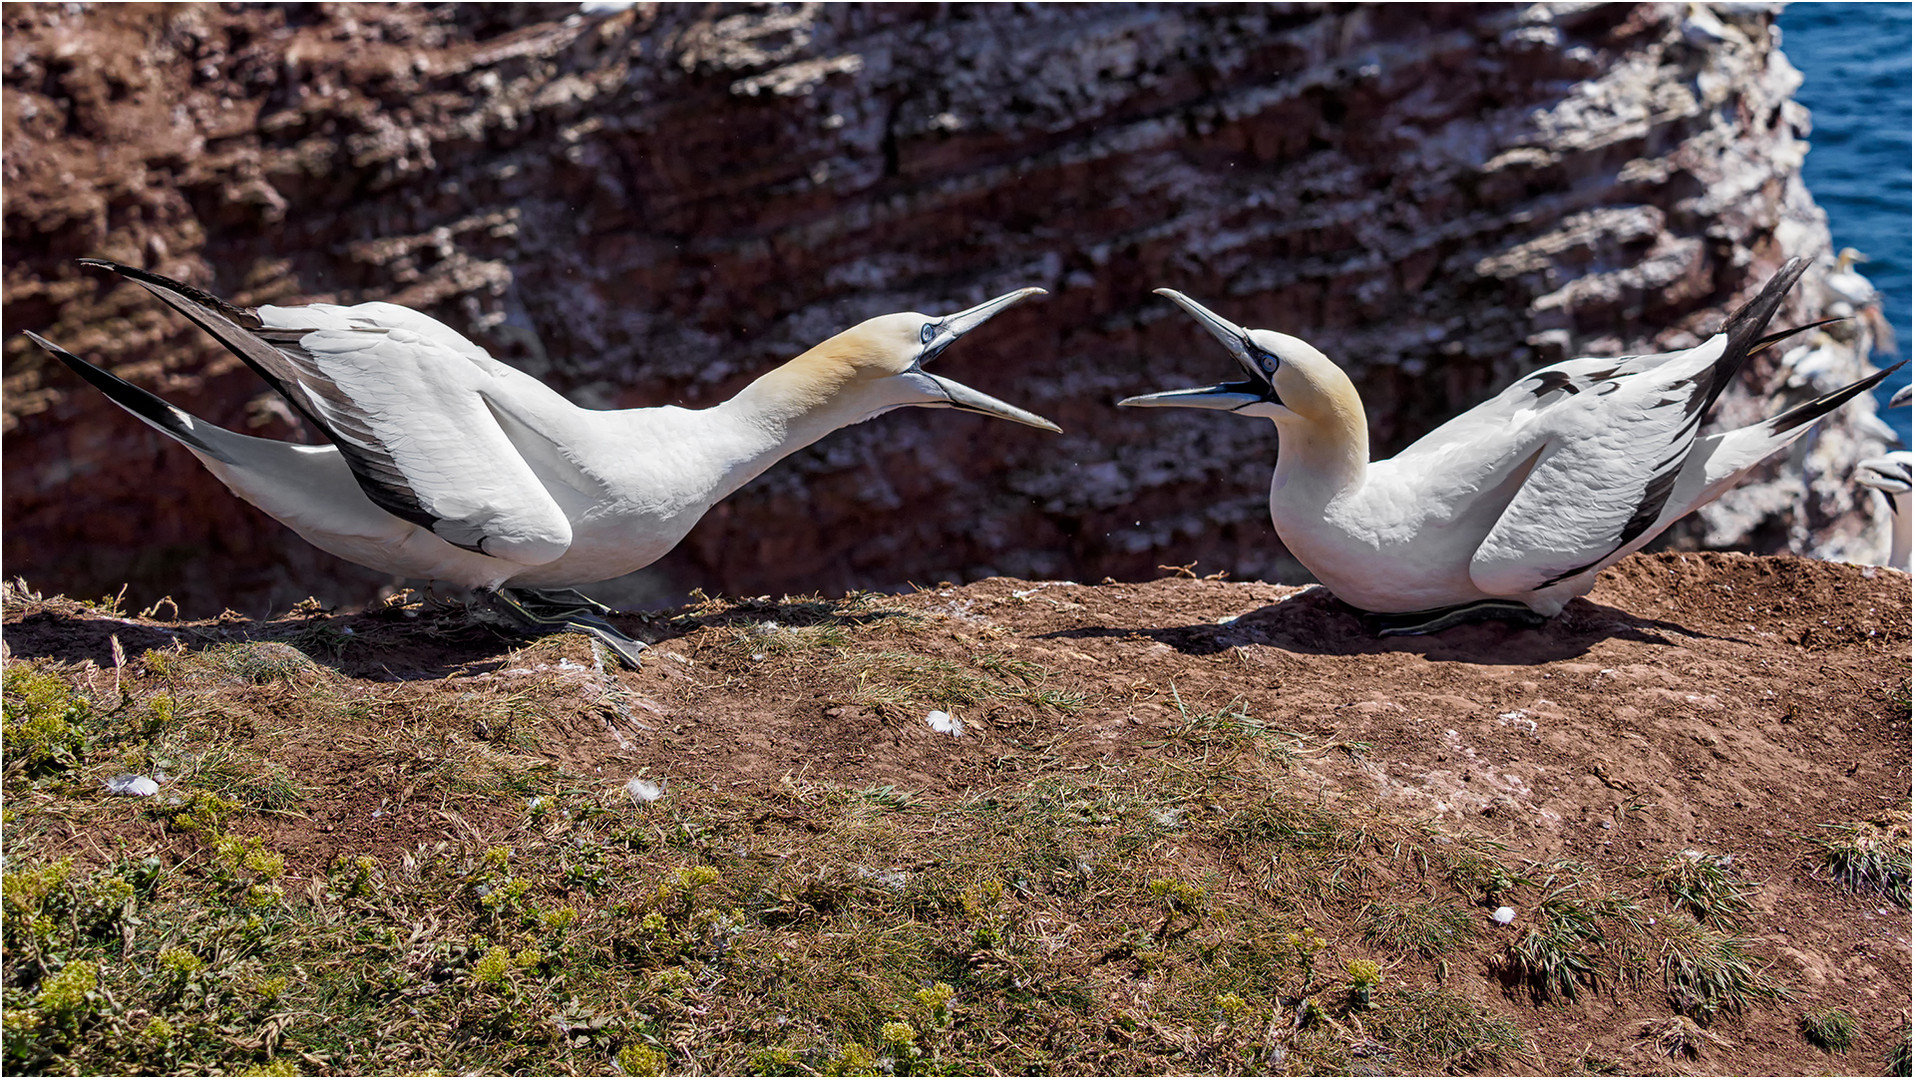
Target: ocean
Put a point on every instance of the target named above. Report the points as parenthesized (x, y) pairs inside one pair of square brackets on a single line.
[(1854, 60)]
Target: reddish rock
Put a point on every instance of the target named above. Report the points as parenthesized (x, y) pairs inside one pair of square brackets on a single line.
[(656, 205)]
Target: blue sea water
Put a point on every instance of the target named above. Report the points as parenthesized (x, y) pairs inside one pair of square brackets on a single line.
[(1854, 60)]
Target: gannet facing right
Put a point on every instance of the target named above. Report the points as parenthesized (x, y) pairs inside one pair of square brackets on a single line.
[(448, 465), (1512, 508)]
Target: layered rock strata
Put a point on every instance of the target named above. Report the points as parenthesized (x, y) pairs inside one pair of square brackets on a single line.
[(657, 204)]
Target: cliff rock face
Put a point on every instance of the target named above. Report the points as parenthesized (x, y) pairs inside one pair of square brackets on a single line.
[(657, 204)]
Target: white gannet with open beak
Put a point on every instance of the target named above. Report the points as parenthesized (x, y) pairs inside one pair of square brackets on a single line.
[(1890, 474), (448, 465), (1511, 509)]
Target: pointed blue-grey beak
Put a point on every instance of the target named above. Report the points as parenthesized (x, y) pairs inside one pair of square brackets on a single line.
[(952, 327), (1227, 397)]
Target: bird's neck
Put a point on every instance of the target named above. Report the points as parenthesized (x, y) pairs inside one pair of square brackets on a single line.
[(785, 410), (1321, 457)]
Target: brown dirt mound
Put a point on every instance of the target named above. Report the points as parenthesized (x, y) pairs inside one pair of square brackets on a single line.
[(1719, 702)]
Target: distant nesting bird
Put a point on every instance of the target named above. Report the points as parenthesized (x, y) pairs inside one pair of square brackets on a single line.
[(1511, 509), (1854, 295), (1890, 474), (448, 465)]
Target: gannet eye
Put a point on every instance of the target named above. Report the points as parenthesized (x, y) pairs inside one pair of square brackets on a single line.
[(930, 331), (1264, 360)]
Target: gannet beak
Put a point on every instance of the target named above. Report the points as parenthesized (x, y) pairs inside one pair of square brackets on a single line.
[(1885, 474), (1228, 397), (952, 327), (955, 394), (963, 397)]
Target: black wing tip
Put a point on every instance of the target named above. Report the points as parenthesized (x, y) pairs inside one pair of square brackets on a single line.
[(1815, 409), (160, 285)]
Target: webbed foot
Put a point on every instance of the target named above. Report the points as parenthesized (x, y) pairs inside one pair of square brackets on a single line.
[(551, 613), (1434, 620)]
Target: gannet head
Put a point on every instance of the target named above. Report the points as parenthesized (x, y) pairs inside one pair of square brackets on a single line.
[(1848, 257), (1289, 380), (1889, 474), (880, 362)]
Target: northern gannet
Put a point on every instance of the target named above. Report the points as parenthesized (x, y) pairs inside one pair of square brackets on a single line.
[(1511, 509), (1851, 294), (448, 465), (1890, 474)]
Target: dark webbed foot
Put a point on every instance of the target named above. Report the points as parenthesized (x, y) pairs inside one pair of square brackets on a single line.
[(560, 600), (1405, 623), (552, 613)]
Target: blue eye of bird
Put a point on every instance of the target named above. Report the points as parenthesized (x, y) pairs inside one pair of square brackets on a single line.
[(930, 331)]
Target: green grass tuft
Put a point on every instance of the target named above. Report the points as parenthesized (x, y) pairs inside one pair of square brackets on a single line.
[(1705, 887), (1831, 1029), (1708, 973), (1425, 926), (1445, 1030), (1868, 857)]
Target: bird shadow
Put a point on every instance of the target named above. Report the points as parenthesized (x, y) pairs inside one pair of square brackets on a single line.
[(396, 645), (1315, 622)]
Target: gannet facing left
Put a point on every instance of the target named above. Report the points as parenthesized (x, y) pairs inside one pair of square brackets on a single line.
[(1512, 508), (1893, 474), (448, 465)]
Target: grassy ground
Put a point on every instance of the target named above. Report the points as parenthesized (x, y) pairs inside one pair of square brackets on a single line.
[(1197, 907)]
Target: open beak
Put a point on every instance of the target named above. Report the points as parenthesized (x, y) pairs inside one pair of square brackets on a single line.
[(963, 397), (1229, 396), (952, 327), (1889, 474)]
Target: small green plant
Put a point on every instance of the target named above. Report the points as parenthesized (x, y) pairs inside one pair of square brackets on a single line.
[(1305, 944), (638, 1060), (493, 967), (206, 814), (1364, 975), (936, 1000), (1705, 887), (1896, 1062), (1868, 857), (774, 1061), (41, 720), (852, 1059), (1831, 1029)]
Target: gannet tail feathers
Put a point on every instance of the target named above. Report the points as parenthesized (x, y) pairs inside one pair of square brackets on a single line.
[(1733, 453), (167, 418), (1744, 328), (1791, 424)]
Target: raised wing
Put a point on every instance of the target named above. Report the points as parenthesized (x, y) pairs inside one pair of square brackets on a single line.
[(407, 410), (1607, 461)]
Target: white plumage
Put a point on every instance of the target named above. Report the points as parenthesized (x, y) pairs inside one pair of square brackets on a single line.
[(448, 465), (1517, 504)]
